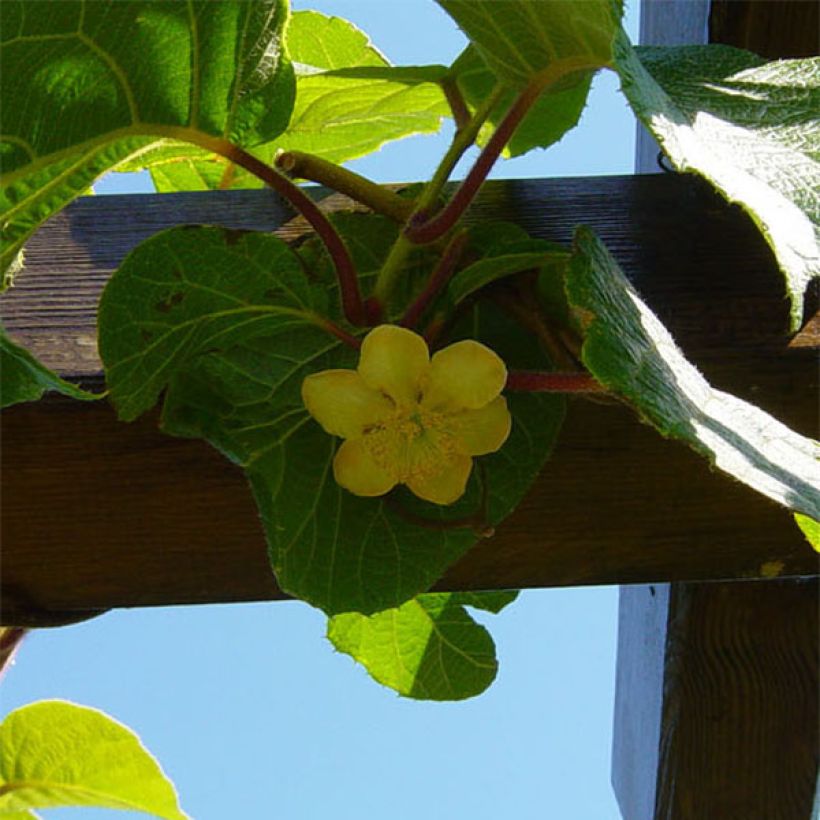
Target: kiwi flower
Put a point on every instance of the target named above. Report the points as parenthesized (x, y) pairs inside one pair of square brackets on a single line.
[(408, 419)]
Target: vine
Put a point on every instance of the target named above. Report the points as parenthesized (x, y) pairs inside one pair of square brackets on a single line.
[(407, 367)]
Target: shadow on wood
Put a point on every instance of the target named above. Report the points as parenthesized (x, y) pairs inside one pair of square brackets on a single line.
[(100, 514)]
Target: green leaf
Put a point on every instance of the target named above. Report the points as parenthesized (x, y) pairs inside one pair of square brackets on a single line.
[(485, 271), (88, 85), (555, 112), (810, 528), (232, 371), (429, 648), (23, 378), (750, 128), (520, 38), (349, 102), (55, 753), (190, 290), (627, 349)]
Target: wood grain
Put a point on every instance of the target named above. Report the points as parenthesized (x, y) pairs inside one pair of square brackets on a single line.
[(716, 708), (741, 690), (99, 514)]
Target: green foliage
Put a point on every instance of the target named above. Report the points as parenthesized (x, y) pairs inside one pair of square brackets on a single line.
[(349, 102), (520, 38), (555, 112), (810, 528), (429, 648), (222, 326), (23, 378), (228, 332), (55, 753), (749, 127), (628, 349), (89, 85)]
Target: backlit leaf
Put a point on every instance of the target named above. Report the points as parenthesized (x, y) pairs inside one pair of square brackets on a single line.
[(428, 648), (55, 753), (555, 112), (810, 528), (349, 102), (520, 38), (627, 349)]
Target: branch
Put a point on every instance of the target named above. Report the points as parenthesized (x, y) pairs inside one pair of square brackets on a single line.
[(378, 199), (533, 381), (422, 230), (438, 279)]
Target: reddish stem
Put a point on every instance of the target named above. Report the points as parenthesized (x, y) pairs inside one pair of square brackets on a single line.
[(438, 279), (455, 99), (339, 333), (532, 381), (345, 270), (428, 230)]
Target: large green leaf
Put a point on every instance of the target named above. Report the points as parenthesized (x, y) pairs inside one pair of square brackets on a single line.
[(750, 127), (55, 753), (520, 38), (23, 378), (190, 290), (232, 372), (428, 648), (627, 349), (349, 102), (87, 85), (555, 112)]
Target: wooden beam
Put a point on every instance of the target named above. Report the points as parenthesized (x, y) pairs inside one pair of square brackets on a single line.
[(716, 701), (99, 514)]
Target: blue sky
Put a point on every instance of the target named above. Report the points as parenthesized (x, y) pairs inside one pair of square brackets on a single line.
[(250, 710)]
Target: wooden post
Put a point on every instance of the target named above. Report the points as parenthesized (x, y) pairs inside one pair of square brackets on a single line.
[(716, 704)]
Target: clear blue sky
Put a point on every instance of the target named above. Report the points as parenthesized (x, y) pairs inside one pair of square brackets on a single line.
[(249, 709)]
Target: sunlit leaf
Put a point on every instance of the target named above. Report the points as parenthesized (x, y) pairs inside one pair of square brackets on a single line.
[(428, 648), (810, 528), (55, 753), (89, 85), (627, 349), (751, 128)]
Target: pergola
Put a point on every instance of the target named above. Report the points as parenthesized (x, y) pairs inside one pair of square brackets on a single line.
[(716, 712)]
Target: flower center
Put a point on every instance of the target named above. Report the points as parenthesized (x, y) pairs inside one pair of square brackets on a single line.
[(412, 444)]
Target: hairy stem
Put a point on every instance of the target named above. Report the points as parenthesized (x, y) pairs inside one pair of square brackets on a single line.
[(532, 381), (438, 279), (455, 99), (345, 270), (421, 230), (402, 247), (378, 199)]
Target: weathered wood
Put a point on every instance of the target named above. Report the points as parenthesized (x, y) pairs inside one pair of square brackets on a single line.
[(718, 701), (770, 28), (99, 514), (716, 692)]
